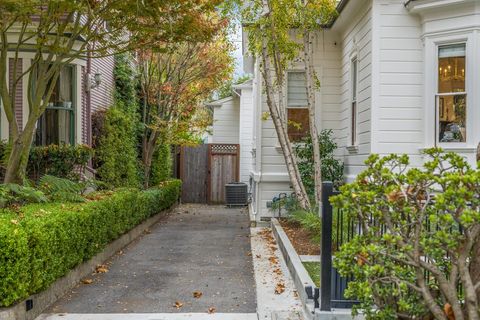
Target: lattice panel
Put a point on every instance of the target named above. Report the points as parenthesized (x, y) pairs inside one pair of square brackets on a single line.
[(224, 149)]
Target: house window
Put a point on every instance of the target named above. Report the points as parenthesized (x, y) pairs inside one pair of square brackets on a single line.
[(353, 111), (452, 97), (297, 106), (57, 123)]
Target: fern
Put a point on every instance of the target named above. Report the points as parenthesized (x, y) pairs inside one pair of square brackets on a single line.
[(309, 221), (60, 189), (11, 193)]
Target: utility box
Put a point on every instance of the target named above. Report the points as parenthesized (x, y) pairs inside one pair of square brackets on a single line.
[(236, 194)]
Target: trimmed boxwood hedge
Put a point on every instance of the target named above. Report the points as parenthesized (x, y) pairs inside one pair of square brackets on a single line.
[(40, 243)]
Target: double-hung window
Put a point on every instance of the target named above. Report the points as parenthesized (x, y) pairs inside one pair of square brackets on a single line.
[(451, 111), (297, 106), (57, 123), (353, 109)]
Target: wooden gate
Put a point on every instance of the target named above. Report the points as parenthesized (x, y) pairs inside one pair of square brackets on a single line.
[(224, 165), (193, 171), (204, 171)]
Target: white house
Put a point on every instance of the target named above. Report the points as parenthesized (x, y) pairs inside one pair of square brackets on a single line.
[(396, 76), (233, 123)]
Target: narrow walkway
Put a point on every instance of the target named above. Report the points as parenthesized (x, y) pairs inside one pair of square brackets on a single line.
[(198, 260)]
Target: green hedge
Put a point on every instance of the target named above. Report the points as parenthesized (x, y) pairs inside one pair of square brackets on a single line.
[(44, 241)]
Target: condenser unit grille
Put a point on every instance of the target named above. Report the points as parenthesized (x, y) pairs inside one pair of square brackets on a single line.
[(236, 194)]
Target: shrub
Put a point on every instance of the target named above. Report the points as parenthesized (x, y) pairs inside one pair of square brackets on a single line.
[(161, 165), (417, 256), (41, 243), (332, 168), (126, 82), (116, 154), (65, 161), (98, 123)]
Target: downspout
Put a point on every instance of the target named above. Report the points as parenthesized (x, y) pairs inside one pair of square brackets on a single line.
[(258, 138), (88, 110)]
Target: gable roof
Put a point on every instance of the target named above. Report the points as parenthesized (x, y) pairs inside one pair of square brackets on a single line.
[(219, 103)]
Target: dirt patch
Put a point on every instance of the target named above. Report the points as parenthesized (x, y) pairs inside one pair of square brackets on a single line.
[(300, 238)]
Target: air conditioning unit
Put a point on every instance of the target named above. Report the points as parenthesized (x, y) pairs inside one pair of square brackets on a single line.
[(236, 194)]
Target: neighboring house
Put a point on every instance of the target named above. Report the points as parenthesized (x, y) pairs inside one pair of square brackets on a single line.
[(396, 77), (68, 116), (233, 122)]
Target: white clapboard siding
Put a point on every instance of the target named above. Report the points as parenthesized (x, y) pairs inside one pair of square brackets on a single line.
[(356, 40), (226, 119), (399, 112), (246, 119)]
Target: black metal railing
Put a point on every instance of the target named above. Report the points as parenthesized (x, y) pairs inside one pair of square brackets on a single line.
[(337, 229)]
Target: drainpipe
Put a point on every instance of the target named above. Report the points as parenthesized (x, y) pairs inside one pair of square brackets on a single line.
[(88, 110), (258, 134)]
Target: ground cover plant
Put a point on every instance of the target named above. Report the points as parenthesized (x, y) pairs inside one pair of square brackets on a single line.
[(418, 254), (40, 243), (313, 269)]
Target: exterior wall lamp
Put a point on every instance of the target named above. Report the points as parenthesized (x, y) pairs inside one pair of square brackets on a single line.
[(93, 82)]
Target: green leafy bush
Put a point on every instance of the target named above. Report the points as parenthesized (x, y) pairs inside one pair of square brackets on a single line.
[(332, 168), (418, 254), (116, 153), (126, 81), (63, 161), (161, 165), (41, 243)]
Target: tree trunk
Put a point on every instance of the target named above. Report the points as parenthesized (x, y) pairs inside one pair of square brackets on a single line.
[(150, 143), (18, 158), (288, 154), (475, 267), (147, 156), (310, 75)]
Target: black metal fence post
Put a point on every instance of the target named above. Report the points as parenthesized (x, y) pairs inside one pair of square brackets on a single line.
[(326, 250)]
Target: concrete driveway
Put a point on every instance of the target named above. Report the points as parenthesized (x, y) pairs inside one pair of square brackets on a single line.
[(201, 249)]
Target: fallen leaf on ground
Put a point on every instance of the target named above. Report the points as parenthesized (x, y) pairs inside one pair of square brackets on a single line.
[(280, 288), (249, 254), (211, 310), (197, 294), (178, 304), (101, 268), (87, 281), (277, 271), (273, 260), (258, 256)]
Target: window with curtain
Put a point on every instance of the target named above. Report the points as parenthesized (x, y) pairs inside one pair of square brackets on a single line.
[(451, 113), (56, 125), (297, 106)]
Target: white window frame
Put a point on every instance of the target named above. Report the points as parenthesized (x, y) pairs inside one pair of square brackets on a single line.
[(353, 118), (287, 106), (432, 46)]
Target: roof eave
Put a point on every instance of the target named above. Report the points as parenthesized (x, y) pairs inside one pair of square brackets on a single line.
[(340, 6)]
